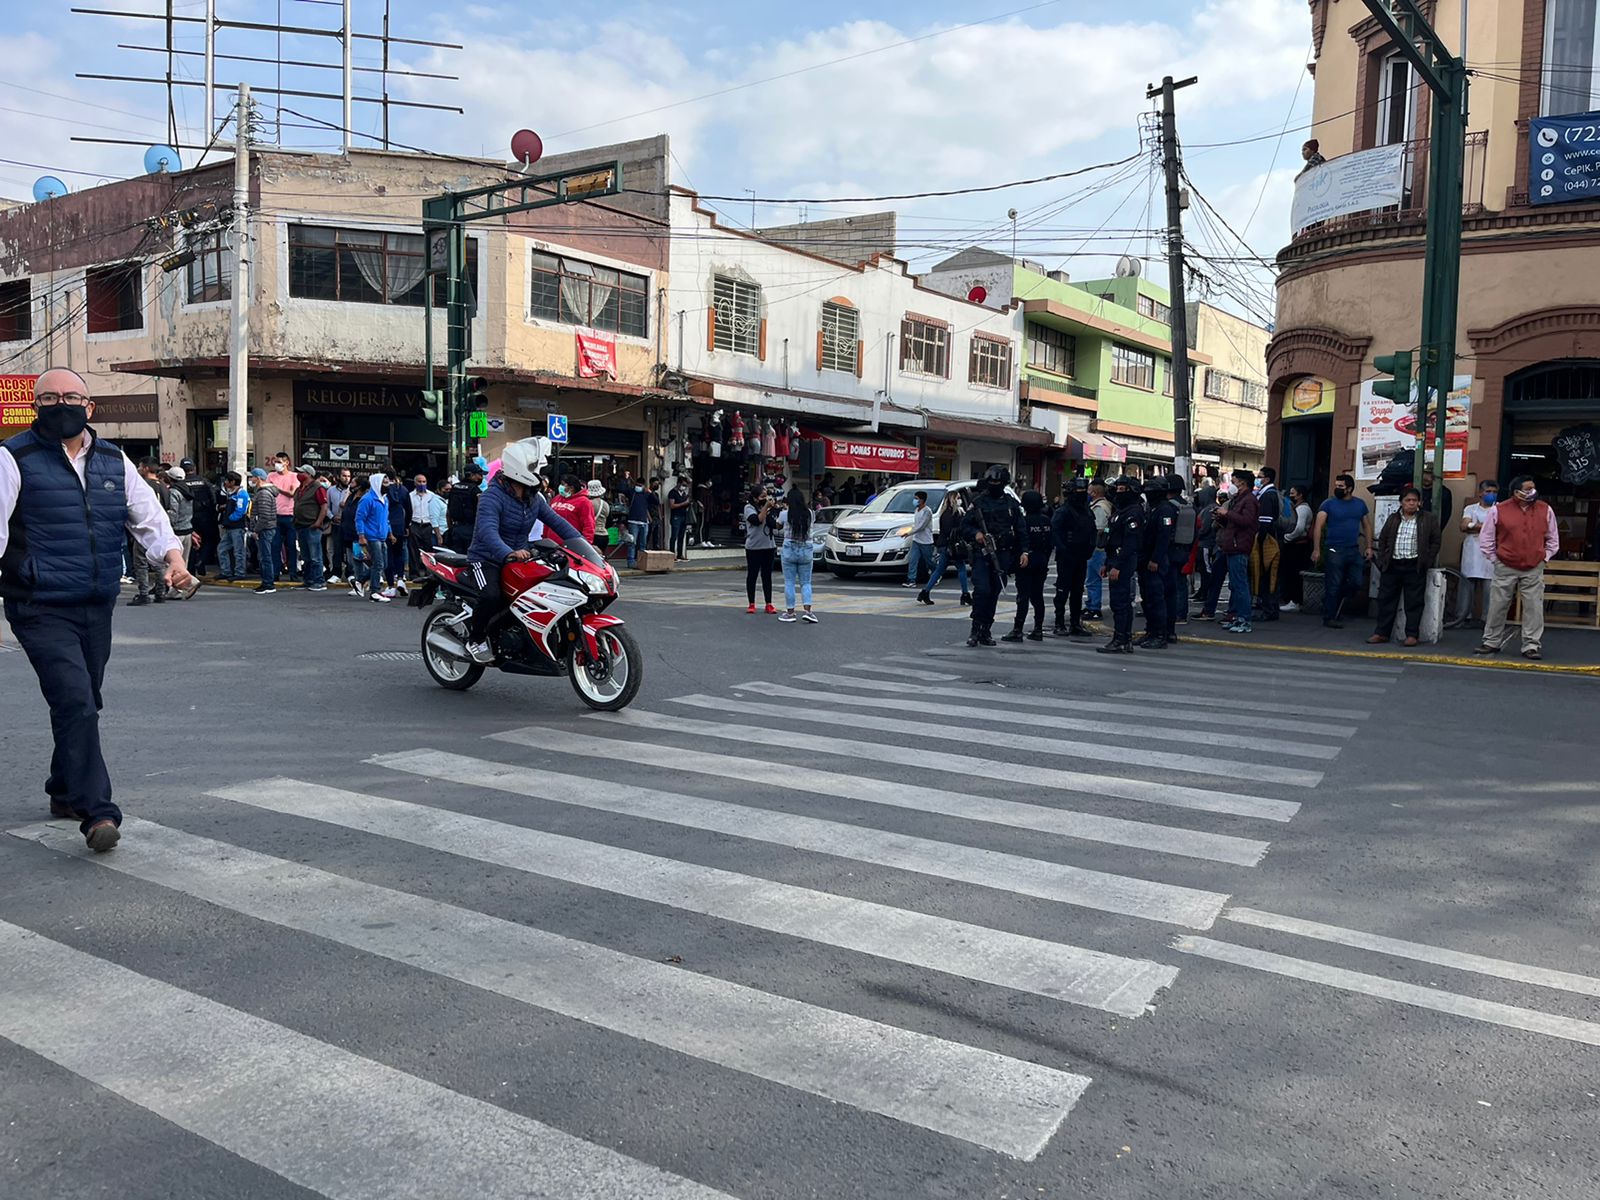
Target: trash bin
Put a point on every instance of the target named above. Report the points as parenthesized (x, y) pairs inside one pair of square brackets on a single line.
[(1311, 585)]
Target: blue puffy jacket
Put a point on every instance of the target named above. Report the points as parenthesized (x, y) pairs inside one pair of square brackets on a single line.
[(504, 523), (66, 537)]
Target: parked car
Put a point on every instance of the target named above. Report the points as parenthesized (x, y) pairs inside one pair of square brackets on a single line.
[(823, 521), (877, 538)]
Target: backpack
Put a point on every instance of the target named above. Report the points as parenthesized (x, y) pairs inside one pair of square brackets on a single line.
[(1183, 529), (1285, 520)]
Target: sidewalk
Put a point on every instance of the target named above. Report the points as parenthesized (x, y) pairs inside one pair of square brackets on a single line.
[(1565, 651)]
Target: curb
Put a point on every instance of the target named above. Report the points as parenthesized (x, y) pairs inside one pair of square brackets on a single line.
[(1485, 663)]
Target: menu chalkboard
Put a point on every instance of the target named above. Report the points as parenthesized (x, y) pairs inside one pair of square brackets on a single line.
[(1578, 453)]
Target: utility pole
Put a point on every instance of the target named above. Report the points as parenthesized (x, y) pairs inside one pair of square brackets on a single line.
[(1182, 440), (239, 346), (1446, 77)]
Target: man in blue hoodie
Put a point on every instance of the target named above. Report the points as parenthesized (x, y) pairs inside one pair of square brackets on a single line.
[(373, 539), (506, 517)]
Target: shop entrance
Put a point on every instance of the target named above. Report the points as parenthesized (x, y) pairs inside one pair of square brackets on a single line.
[(1307, 451), (1541, 404)]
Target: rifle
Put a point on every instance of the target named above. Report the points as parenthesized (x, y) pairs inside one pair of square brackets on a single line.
[(988, 546)]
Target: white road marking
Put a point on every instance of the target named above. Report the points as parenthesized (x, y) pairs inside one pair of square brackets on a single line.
[(1132, 756), (1169, 670), (1124, 894), (1016, 698), (1528, 1019), (899, 935), (341, 1125), (1182, 700), (1585, 985), (1144, 791), (902, 672), (1192, 656), (989, 1099), (1079, 723), (1164, 839)]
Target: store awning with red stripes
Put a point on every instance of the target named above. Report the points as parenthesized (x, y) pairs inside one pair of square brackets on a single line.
[(841, 453)]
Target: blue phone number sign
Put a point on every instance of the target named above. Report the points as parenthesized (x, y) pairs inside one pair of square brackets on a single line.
[(1564, 159)]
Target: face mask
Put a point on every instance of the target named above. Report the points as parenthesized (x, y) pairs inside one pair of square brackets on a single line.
[(1528, 496), (62, 421), (422, 487), (1490, 497)]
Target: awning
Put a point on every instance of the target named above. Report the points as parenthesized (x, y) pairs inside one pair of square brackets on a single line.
[(868, 454), (1008, 432), (1093, 447)]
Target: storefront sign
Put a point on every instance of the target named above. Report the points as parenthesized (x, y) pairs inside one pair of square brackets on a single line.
[(16, 402), (1386, 428), (125, 409), (361, 457), (891, 458), (1309, 397), (369, 399), (939, 447), (1351, 183), (597, 356), (1578, 453), (1564, 159)]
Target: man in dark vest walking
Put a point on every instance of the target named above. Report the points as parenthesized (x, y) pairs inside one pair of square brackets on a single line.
[(66, 497)]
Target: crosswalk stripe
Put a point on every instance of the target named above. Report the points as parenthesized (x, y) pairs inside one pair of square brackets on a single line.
[(1164, 839), (899, 935), (989, 1099), (1439, 956), (1528, 1019), (1064, 884), (1262, 772), (1170, 669), (903, 672), (271, 1095), (1180, 700), (1188, 654), (1078, 723), (1147, 792), (1002, 698)]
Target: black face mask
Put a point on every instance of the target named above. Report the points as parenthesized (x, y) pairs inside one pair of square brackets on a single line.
[(1126, 499), (62, 421)]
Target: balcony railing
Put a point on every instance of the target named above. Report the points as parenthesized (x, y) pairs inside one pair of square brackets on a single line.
[(1046, 384), (1413, 204)]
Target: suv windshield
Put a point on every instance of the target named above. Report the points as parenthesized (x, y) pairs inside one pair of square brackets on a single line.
[(903, 500)]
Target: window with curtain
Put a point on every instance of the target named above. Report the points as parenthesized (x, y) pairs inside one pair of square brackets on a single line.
[(115, 298), (364, 266), (211, 272), (575, 292), (1052, 350), (738, 315), (1569, 81), (1133, 367), (989, 362), (841, 330)]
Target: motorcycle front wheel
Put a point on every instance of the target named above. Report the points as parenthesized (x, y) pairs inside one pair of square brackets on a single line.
[(610, 685), (448, 670)]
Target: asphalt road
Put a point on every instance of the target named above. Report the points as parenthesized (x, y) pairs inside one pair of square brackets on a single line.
[(838, 911)]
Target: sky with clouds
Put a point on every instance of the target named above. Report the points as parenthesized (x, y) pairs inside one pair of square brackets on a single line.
[(827, 101)]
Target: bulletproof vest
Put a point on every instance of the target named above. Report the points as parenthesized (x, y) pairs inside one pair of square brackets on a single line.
[(999, 519), (1183, 528)]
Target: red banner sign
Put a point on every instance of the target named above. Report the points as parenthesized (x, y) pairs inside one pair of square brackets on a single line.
[(855, 454), (16, 401), (596, 357)]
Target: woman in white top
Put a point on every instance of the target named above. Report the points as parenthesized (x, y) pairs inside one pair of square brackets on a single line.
[(1476, 570), (1296, 551)]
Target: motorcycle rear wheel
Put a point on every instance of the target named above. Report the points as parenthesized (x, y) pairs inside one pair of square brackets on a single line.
[(614, 688), (452, 673)]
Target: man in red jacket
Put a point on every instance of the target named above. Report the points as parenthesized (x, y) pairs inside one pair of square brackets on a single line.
[(1237, 524), (1518, 537)]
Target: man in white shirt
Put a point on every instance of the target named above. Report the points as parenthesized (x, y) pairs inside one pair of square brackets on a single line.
[(66, 497), (919, 550)]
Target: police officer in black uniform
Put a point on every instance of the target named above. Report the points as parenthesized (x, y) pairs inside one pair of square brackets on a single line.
[(1030, 578), (1072, 525), (1154, 568), (1184, 533), (995, 529), (1123, 540), (461, 510)]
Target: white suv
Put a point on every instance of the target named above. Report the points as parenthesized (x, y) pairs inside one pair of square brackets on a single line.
[(878, 538)]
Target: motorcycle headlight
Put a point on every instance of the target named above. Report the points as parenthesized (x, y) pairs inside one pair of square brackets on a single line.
[(599, 585)]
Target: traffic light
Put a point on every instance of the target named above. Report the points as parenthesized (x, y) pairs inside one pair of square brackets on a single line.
[(477, 397), (433, 406), (1397, 365)]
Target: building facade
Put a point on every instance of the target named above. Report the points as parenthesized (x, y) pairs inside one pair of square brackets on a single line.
[(1229, 396), (567, 316), (1528, 334)]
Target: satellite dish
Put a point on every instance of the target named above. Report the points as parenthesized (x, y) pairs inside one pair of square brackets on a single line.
[(1128, 267), (526, 147), (48, 187), (160, 160), (978, 294)]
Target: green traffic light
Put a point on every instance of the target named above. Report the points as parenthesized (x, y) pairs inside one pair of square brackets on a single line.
[(1398, 365)]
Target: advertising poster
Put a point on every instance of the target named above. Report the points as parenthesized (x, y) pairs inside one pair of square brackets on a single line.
[(1564, 159), (1350, 183), (1310, 397), (1385, 428), (16, 403)]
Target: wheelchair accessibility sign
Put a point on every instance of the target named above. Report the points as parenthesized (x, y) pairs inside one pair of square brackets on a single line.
[(557, 432)]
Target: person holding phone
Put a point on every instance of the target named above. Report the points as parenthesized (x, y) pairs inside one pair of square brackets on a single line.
[(66, 497), (760, 520)]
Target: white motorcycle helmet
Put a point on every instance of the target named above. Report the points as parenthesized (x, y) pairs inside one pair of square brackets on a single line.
[(521, 461)]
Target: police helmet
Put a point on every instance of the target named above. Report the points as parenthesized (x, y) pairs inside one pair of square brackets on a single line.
[(1124, 481), (1174, 483), (1156, 485), (1077, 484), (997, 476)]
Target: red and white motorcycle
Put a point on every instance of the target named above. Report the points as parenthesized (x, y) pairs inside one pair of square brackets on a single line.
[(556, 623)]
